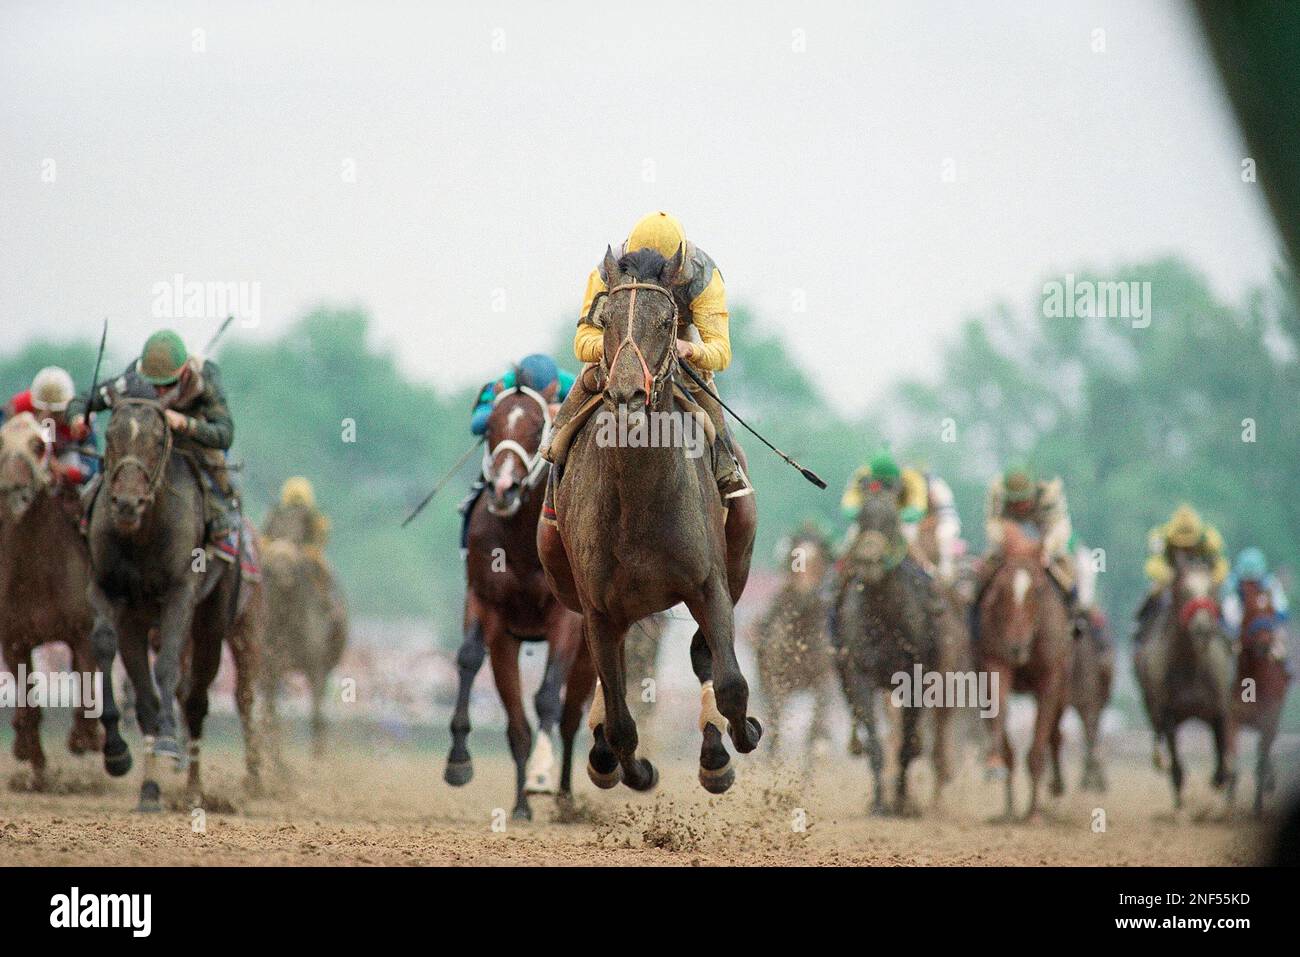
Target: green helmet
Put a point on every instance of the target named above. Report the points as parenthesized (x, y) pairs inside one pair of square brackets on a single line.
[(884, 469), (163, 358), (1020, 483)]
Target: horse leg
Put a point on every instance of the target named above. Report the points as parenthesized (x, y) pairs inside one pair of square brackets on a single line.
[(1094, 776), (204, 663), (504, 652), (1175, 766), (1226, 759), (469, 659), (540, 773), (174, 627), (85, 734), (318, 680), (716, 773), (941, 751), (713, 612), (103, 645), (1057, 785), (133, 643), (244, 649), (613, 729), (909, 748), (27, 721), (577, 691), (1047, 719), (862, 710), (1001, 759)]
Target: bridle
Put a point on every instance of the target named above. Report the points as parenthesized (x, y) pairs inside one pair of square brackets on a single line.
[(533, 462), (156, 474), (651, 381)]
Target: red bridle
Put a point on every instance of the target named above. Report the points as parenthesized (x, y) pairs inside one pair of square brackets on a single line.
[(649, 380)]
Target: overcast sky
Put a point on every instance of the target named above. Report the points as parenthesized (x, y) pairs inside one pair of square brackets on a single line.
[(497, 150)]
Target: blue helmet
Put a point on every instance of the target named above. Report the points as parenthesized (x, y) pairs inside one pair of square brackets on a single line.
[(537, 371), (1251, 565)]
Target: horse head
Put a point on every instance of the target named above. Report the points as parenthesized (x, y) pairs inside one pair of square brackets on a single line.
[(1012, 600), (1196, 613), (811, 553), (879, 545), (138, 446), (517, 427), (639, 318), (24, 465)]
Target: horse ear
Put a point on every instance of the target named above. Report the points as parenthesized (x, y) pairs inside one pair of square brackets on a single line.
[(674, 273), (610, 267)]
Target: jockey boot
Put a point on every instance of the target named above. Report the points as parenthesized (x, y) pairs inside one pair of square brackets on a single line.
[(583, 388), (983, 577), (731, 478), (466, 508)]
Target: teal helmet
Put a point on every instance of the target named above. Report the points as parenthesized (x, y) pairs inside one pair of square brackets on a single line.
[(1251, 565)]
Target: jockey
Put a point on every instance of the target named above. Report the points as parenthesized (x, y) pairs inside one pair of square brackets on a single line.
[(296, 518), (920, 495), (703, 338), (72, 459), (1184, 535), (537, 372), (189, 390), (1251, 568), (1019, 496)]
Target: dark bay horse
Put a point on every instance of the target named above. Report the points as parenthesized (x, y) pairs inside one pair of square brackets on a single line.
[(790, 640), (641, 527), (886, 623), (1262, 681), (152, 573), (1184, 668), (1026, 641), (508, 602), (44, 571), (1091, 678)]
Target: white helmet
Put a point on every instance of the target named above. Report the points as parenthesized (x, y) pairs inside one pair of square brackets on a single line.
[(52, 390)]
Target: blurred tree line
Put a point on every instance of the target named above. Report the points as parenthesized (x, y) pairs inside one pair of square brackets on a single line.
[(1199, 406)]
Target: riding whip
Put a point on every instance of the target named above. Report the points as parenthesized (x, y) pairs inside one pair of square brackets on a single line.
[(207, 350), (444, 480), (807, 473), (94, 378)]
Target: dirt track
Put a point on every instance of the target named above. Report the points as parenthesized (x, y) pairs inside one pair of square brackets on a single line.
[(370, 807)]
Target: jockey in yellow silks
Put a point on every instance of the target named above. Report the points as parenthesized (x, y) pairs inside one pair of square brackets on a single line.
[(702, 334)]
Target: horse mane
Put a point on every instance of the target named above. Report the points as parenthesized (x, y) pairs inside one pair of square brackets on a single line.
[(644, 265)]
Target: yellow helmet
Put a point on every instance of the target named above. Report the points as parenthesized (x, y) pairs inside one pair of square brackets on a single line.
[(659, 231), (297, 491), (1185, 528)]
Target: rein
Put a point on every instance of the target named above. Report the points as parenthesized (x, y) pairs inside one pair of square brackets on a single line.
[(155, 475), (532, 461), (650, 381)]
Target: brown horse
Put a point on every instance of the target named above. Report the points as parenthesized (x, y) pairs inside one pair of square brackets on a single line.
[(641, 527), (44, 571), (1262, 681), (1026, 644), (1184, 668), (153, 577), (306, 631), (508, 602), (1091, 678), (791, 641)]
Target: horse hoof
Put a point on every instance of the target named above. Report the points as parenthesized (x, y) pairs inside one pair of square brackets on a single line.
[(605, 781), (150, 798), (718, 781), (749, 740), (118, 763), (458, 773), (649, 778)]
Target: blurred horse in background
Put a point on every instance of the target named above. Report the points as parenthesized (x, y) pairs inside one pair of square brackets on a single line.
[(1262, 681), (791, 639)]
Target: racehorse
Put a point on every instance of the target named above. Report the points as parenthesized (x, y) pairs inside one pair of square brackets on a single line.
[(1262, 681), (640, 527), (508, 602), (306, 631), (1026, 644), (791, 642), (44, 571), (885, 623), (1091, 678), (153, 578), (1184, 667)]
